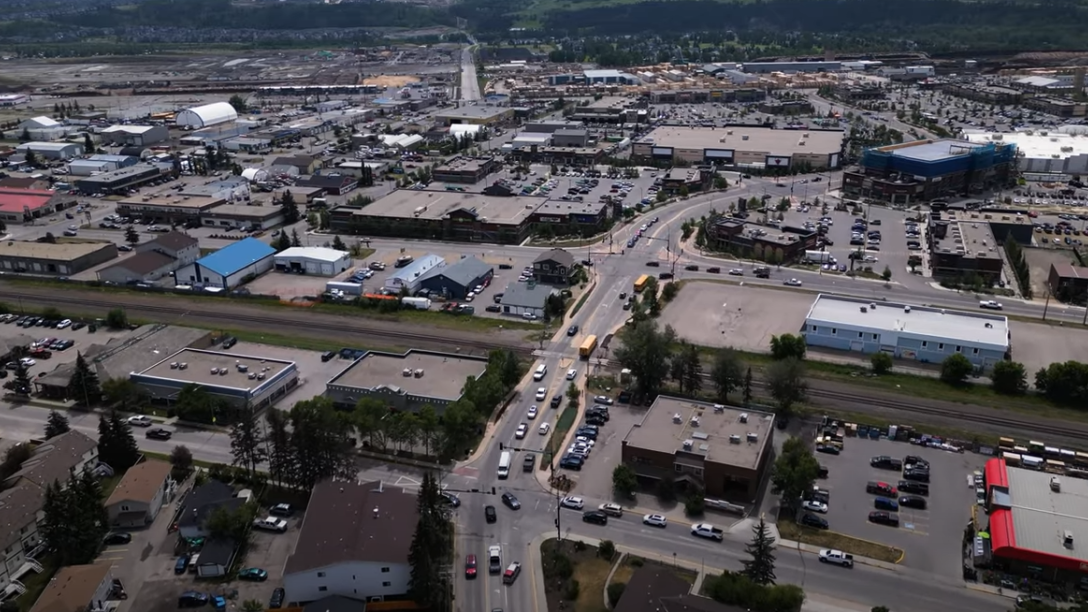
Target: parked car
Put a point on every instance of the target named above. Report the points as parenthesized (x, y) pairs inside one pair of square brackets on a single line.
[(278, 595), (884, 518), (914, 488), (885, 462), (814, 506), (255, 574), (811, 520), (192, 599), (115, 538), (916, 475), (281, 510), (885, 503), (913, 501), (181, 564), (880, 488)]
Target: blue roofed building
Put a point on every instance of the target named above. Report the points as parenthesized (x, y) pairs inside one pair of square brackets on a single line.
[(229, 267)]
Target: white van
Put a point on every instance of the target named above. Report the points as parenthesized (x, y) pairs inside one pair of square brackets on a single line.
[(504, 465), (541, 372)]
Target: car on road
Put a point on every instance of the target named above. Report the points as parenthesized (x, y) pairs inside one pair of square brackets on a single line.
[(611, 509), (572, 502), (521, 431), (532, 412), (276, 601), (814, 506), (115, 538), (913, 501), (544, 429), (990, 305), (792, 282), (158, 433), (884, 518), (541, 393), (655, 520), (571, 374), (254, 574), (510, 501), (811, 520), (449, 498), (489, 514), (139, 420), (470, 566), (736, 272), (572, 330), (595, 516), (708, 531), (556, 400), (512, 572)]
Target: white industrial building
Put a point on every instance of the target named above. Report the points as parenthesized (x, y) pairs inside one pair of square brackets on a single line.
[(1043, 155), (39, 123), (200, 117), (52, 150), (410, 276), (319, 261), (88, 167), (255, 175)]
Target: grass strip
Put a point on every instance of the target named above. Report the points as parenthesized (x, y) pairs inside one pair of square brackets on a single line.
[(788, 530)]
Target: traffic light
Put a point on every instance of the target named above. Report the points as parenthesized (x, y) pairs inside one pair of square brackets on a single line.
[(501, 446), (492, 490)]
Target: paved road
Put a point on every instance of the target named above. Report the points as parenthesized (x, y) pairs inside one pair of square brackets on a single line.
[(470, 87)]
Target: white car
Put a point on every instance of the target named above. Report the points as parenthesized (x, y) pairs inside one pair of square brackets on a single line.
[(139, 420), (990, 305), (655, 520), (27, 362), (64, 323), (271, 523), (578, 449), (571, 374), (541, 393), (708, 531), (793, 282), (574, 503), (582, 440), (815, 506), (544, 428), (522, 429), (532, 412)]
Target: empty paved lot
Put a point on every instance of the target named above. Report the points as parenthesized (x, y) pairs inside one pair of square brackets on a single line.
[(737, 316), (1037, 345), (932, 537)]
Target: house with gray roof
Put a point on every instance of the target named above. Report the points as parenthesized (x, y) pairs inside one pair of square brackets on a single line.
[(521, 299), (56, 459), (554, 267), (455, 281)]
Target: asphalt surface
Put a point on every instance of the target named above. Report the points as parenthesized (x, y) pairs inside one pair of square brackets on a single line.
[(470, 87)]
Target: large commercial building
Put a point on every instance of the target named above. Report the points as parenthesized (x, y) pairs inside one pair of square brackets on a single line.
[(168, 207), (59, 259), (1043, 156), (319, 261), (354, 544), (467, 170), (476, 115), (242, 380), (18, 205), (120, 181), (52, 150), (722, 450), (927, 169), (1037, 519), (773, 245), (200, 117), (467, 217), (228, 267), (914, 333), (743, 147), (406, 381), (135, 135)]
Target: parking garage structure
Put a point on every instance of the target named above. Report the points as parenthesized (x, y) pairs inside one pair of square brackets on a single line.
[(725, 451), (241, 380), (1038, 523), (915, 333)]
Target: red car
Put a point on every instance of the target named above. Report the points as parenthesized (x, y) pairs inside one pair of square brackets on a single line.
[(881, 488), (470, 567)]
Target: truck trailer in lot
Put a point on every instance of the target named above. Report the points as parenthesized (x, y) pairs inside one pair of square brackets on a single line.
[(820, 257), (354, 289), (419, 303)]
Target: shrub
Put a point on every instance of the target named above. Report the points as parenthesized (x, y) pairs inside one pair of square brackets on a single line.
[(563, 567), (882, 362), (607, 549), (956, 368), (637, 562), (572, 591), (615, 591), (579, 546)]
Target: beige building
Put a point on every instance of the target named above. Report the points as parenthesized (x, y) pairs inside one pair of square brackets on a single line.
[(142, 492), (59, 259), (742, 146)]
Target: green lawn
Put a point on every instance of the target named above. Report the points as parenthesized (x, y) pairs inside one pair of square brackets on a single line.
[(559, 432), (36, 583)]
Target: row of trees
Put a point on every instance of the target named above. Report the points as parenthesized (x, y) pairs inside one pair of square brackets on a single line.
[(431, 550), (1019, 262)]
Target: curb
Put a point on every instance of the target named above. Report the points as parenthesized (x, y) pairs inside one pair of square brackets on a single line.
[(806, 548)]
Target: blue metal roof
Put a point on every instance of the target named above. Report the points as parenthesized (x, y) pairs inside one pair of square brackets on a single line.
[(232, 258)]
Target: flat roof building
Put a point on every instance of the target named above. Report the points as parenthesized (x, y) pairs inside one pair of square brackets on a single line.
[(722, 449), (909, 332), (961, 248), (168, 206), (1042, 156), (743, 146), (253, 217), (120, 180), (243, 380), (467, 170), (59, 259), (479, 115), (409, 277), (406, 381)]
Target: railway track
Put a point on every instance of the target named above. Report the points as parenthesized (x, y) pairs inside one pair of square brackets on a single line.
[(349, 327)]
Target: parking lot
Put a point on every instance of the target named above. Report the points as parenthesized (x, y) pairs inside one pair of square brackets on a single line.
[(932, 537), (595, 477), (47, 360)]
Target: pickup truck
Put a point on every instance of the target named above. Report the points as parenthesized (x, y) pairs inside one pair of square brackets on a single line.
[(837, 557)]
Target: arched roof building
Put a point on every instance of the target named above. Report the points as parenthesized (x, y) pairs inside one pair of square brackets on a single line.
[(207, 115)]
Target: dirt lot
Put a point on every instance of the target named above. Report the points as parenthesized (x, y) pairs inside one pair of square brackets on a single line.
[(741, 317), (390, 80), (1039, 261), (1038, 345)]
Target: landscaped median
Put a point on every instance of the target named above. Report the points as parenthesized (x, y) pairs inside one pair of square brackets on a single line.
[(788, 530)]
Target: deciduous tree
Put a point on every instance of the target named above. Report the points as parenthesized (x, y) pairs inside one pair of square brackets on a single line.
[(645, 351), (956, 368), (786, 381), (624, 480), (795, 471), (181, 460), (785, 346), (726, 374), (1009, 378)]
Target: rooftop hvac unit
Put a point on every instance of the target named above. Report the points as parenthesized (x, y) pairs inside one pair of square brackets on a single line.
[(744, 417), (872, 306), (676, 418), (174, 365), (183, 365), (215, 371), (906, 309), (252, 375), (695, 421), (718, 409), (406, 372), (222, 371), (734, 439), (242, 368), (864, 309), (689, 444), (752, 438), (418, 373)]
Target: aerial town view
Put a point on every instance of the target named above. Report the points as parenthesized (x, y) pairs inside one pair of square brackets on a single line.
[(328, 306)]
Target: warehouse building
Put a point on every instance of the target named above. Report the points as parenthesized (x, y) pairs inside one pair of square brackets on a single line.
[(466, 170), (241, 380), (724, 451), (135, 135), (522, 299), (59, 259), (100, 164), (317, 261), (455, 281), (21, 205), (924, 170), (1035, 518), (229, 267), (405, 382), (913, 333), (167, 208), (200, 117), (743, 147), (1042, 156), (146, 267), (120, 181), (476, 115), (791, 67), (409, 277), (51, 150), (251, 217)]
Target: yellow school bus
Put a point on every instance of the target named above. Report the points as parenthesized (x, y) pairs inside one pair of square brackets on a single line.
[(640, 284), (587, 347)]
